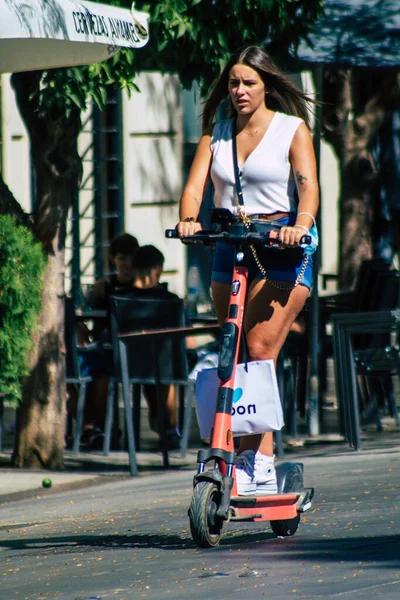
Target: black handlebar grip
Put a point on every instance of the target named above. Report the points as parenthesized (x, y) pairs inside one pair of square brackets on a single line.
[(306, 239), (171, 234)]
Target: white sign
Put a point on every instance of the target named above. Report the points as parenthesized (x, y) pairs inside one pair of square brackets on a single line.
[(44, 35)]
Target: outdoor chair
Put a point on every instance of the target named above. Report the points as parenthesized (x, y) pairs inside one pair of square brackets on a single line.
[(377, 358), (369, 361), (374, 365), (377, 366), (75, 373), (357, 298), (365, 296), (148, 338), (143, 360)]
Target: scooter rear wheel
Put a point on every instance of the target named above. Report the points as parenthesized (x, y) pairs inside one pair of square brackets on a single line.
[(286, 527), (205, 526)]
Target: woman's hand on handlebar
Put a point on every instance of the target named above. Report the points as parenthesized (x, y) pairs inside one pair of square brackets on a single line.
[(188, 228), (290, 237)]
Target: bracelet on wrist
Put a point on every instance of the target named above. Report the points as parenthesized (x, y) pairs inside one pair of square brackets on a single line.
[(189, 219), (308, 215)]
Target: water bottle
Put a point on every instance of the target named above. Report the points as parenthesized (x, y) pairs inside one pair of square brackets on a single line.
[(193, 287)]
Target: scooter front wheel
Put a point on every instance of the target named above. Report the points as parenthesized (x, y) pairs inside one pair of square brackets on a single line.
[(205, 526)]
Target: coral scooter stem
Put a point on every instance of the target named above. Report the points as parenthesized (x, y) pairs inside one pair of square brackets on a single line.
[(228, 359)]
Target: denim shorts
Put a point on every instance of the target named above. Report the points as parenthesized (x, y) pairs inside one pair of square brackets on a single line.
[(278, 268)]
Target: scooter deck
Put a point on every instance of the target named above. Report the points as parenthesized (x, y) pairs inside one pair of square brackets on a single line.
[(275, 507)]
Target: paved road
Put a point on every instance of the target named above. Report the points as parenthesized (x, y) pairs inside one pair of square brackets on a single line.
[(130, 539)]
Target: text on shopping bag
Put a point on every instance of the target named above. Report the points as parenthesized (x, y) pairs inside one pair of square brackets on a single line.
[(256, 405)]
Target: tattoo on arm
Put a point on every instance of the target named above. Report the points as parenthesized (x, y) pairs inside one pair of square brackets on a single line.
[(300, 178)]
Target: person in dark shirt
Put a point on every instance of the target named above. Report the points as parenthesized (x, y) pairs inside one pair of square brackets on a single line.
[(148, 264), (99, 363)]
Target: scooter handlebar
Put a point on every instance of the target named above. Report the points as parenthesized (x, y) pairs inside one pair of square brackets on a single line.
[(209, 237), (171, 234)]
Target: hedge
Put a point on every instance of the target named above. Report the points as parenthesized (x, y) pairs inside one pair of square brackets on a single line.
[(22, 262)]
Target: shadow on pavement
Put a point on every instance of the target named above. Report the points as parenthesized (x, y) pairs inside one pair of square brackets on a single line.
[(368, 549)]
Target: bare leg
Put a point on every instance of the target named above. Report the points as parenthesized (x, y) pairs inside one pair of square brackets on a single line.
[(170, 406), (221, 293), (169, 399), (96, 402)]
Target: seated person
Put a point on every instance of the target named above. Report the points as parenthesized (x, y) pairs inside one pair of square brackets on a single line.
[(98, 362), (148, 266)]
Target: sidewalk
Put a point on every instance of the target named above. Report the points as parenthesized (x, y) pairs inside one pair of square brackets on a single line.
[(84, 470), (87, 468)]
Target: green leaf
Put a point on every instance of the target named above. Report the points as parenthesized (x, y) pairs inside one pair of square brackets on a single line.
[(181, 30), (103, 95), (98, 99), (129, 57), (107, 69), (77, 100)]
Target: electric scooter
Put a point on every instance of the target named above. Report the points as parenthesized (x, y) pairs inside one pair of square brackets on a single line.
[(215, 501)]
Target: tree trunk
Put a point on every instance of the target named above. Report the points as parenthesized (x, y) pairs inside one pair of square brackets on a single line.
[(356, 104), (41, 415), (53, 137)]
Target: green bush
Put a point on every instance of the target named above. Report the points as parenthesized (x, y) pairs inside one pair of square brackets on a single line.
[(22, 263)]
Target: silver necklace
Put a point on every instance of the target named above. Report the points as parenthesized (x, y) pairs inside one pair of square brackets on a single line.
[(251, 134)]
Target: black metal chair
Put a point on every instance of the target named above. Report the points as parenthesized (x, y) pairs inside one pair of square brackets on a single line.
[(378, 365), (75, 373), (363, 297), (373, 363), (376, 357), (368, 361), (144, 359)]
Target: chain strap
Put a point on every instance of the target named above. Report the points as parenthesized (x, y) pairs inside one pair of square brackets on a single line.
[(279, 286)]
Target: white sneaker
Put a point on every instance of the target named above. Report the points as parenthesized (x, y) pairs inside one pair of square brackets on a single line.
[(245, 482), (265, 475)]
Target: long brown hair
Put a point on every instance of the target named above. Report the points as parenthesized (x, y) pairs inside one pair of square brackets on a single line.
[(281, 90)]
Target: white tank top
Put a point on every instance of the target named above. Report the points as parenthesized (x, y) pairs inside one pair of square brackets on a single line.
[(266, 177)]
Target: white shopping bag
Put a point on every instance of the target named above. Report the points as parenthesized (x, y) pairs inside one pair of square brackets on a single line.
[(256, 406)]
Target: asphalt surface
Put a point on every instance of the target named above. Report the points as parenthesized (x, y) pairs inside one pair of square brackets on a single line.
[(107, 535)]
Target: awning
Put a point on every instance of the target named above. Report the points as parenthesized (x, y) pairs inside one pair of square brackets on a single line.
[(45, 34)]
